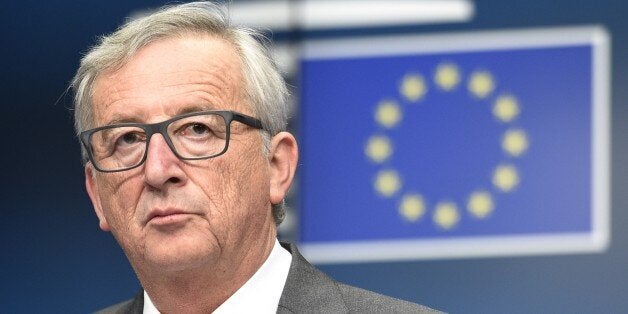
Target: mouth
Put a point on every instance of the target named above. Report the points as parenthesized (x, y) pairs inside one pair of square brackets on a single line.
[(167, 216)]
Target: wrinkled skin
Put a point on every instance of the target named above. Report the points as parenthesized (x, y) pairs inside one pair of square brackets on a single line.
[(184, 223)]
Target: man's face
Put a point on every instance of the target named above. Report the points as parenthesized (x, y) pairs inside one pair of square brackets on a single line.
[(175, 214)]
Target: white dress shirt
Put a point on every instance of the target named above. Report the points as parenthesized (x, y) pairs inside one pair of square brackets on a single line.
[(260, 294)]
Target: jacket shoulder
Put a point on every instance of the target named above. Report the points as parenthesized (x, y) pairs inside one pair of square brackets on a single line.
[(308, 290), (131, 306), (358, 300)]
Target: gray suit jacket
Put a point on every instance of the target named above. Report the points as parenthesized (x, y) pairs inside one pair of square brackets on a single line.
[(308, 290)]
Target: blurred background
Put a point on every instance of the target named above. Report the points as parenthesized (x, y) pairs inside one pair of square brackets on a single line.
[(55, 259)]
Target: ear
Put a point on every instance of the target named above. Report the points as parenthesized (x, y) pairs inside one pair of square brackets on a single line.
[(283, 158), (92, 191)]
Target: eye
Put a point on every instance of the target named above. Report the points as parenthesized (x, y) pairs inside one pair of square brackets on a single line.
[(196, 130), (129, 138)]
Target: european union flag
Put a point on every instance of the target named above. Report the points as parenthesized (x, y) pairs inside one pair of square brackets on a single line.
[(476, 144)]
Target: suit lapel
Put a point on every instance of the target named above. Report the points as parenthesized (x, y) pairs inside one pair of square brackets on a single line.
[(132, 306), (137, 306), (307, 288)]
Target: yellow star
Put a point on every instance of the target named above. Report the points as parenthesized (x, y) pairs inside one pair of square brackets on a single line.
[(412, 207), (480, 204), (506, 108), (447, 76), (515, 142), (387, 183), (388, 113), (378, 148), (505, 178), (413, 87), (446, 215), (481, 84)]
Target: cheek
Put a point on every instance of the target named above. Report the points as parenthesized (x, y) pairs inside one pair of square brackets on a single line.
[(237, 187), (248, 185), (121, 202)]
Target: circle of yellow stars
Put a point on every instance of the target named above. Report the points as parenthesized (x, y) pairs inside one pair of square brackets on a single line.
[(446, 214)]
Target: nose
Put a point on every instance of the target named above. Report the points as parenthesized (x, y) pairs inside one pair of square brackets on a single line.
[(162, 167)]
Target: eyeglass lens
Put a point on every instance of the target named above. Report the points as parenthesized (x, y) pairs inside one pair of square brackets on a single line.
[(194, 137)]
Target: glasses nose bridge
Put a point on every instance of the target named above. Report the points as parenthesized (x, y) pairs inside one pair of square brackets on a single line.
[(160, 128)]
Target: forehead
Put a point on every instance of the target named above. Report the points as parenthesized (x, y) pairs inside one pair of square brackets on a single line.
[(166, 76)]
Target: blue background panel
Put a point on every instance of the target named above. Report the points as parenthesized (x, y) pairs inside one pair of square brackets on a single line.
[(55, 259), (447, 144)]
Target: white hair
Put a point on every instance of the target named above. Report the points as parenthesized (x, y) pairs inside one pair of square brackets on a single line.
[(265, 89)]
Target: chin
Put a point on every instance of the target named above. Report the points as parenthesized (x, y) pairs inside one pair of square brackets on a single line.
[(180, 254)]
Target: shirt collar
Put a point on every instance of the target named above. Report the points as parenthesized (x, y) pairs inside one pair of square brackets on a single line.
[(260, 294)]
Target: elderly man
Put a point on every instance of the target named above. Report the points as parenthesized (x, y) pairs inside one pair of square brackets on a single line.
[(182, 118)]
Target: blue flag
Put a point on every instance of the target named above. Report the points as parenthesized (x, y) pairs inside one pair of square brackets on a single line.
[(454, 145)]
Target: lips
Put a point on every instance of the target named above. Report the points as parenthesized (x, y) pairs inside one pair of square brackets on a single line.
[(166, 215)]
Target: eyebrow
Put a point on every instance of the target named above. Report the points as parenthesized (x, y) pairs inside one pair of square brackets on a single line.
[(118, 118), (134, 118), (194, 108)]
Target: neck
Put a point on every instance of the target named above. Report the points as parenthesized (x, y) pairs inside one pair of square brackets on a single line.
[(202, 289)]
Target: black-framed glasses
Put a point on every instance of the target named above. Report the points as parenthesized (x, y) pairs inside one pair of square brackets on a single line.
[(190, 136)]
